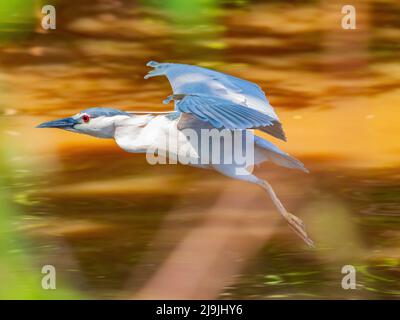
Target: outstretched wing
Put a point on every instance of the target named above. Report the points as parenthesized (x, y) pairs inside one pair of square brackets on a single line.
[(221, 113), (188, 79)]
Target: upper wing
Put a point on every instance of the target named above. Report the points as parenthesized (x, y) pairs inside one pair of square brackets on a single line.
[(188, 79), (221, 113)]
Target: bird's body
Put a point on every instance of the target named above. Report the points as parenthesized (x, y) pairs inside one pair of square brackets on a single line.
[(141, 133), (207, 103)]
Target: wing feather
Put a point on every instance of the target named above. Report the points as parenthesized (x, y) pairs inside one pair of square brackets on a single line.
[(188, 79), (245, 103), (221, 113)]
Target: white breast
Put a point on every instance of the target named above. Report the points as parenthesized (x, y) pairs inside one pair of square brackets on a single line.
[(155, 135)]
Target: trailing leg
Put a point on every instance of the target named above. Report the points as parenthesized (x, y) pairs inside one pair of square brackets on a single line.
[(294, 222)]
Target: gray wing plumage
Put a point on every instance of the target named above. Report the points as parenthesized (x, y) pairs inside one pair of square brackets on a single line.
[(244, 96), (189, 121), (221, 113)]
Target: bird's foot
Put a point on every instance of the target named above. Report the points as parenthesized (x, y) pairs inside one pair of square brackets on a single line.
[(298, 226)]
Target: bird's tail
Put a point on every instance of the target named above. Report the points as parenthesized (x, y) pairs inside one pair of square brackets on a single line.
[(271, 152)]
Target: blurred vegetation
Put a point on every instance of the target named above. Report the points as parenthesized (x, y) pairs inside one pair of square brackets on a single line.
[(110, 216), (19, 277), (17, 18)]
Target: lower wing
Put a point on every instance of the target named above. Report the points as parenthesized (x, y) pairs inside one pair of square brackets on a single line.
[(221, 113)]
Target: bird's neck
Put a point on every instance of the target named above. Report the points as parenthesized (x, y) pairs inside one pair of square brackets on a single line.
[(137, 121)]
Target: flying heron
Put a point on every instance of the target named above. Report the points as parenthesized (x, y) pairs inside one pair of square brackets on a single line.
[(204, 100)]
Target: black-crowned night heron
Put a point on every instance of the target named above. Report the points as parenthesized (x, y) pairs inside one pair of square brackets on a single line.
[(209, 107)]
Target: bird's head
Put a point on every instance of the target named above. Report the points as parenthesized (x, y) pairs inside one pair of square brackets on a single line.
[(97, 122), (160, 69)]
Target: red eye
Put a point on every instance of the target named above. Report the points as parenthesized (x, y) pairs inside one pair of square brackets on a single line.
[(85, 118)]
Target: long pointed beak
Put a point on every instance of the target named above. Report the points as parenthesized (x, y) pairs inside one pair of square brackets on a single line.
[(66, 123)]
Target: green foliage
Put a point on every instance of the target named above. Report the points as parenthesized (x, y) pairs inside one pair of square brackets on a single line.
[(18, 277)]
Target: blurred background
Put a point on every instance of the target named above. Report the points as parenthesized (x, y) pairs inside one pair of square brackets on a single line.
[(115, 227)]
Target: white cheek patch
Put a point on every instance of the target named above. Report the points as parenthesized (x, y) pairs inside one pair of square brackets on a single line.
[(78, 127), (94, 124), (98, 123), (102, 127)]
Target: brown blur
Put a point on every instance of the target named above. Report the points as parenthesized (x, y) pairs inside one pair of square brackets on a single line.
[(116, 226)]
